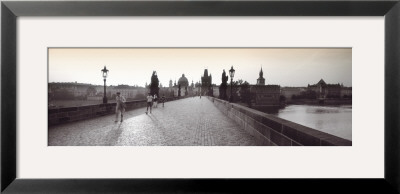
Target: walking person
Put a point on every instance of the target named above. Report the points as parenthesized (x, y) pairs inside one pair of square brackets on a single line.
[(155, 100), (120, 107), (149, 102), (163, 100)]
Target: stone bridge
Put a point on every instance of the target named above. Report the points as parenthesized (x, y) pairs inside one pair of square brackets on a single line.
[(190, 121)]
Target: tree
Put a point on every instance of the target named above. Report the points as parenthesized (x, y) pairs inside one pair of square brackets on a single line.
[(309, 94), (238, 82), (236, 85), (245, 93)]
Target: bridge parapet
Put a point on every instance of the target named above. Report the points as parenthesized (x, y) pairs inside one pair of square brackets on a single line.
[(71, 114), (272, 130)]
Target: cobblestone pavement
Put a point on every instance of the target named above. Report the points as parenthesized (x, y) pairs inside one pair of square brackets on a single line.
[(186, 122)]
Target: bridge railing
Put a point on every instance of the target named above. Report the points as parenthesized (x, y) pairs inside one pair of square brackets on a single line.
[(71, 114), (272, 130)]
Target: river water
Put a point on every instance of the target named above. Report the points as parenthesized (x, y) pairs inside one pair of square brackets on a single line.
[(335, 120)]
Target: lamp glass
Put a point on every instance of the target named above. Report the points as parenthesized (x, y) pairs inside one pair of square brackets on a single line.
[(232, 72), (105, 72)]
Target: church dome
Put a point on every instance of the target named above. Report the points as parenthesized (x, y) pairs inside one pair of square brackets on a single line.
[(183, 81)]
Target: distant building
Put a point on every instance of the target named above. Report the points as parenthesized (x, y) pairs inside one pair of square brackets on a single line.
[(74, 90), (185, 90), (290, 92), (206, 81), (259, 95), (197, 88), (324, 90), (183, 81), (346, 92), (261, 80), (265, 95), (127, 91)]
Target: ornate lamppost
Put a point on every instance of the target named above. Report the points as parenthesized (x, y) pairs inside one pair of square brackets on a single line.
[(105, 72), (232, 74)]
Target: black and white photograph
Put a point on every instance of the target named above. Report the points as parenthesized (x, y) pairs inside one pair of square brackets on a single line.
[(199, 96)]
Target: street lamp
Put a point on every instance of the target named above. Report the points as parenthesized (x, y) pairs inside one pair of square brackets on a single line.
[(232, 74), (105, 72)]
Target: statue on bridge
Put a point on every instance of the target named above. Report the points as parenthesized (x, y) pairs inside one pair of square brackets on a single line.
[(154, 89), (179, 90), (224, 86)]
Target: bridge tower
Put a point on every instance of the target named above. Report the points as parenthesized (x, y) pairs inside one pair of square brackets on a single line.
[(206, 81)]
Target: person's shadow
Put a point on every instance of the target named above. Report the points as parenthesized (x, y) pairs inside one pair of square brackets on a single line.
[(113, 135)]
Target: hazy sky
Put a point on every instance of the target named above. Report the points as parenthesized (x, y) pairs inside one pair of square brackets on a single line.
[(134, 66)]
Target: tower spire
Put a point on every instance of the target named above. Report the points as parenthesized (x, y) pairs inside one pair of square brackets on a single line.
[(261, 79)]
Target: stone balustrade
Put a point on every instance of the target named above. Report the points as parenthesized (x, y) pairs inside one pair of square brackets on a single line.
[(271, 130), (71, 114)]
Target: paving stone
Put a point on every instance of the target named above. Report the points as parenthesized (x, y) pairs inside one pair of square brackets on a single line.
[(186, 122)]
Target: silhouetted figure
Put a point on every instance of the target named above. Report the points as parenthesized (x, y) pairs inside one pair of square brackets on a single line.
[(179, 90), (223, 87), (163, 100), (155, 100), (120, 107), (149, 102)]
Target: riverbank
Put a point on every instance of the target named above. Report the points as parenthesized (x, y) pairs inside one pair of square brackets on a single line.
[(336, 102)]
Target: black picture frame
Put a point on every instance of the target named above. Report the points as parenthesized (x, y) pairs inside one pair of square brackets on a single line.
[(10, 10)]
